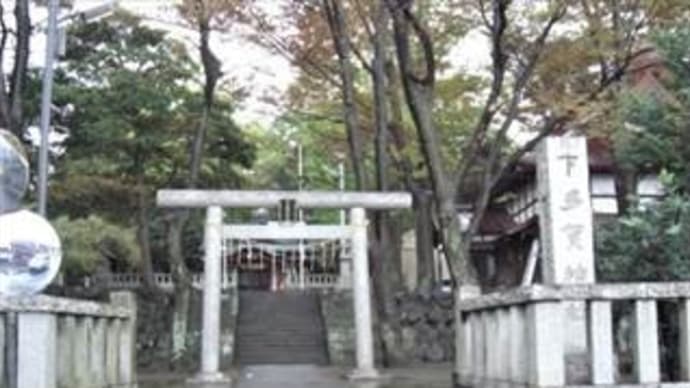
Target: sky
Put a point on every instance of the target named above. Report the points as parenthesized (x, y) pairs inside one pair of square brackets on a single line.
[(262, 75), (245, 64)]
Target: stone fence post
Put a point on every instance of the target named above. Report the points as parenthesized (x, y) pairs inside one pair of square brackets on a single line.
[(59, 342), (37, 350), (127, 354)]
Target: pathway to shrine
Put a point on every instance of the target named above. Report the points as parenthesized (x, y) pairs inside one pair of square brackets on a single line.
[(307, 376)]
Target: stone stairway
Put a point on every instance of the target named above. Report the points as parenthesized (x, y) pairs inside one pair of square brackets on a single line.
[(280, 328)]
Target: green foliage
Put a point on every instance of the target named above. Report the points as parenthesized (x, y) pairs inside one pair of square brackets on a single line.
[(137, 108), (648, 135), (323, 148), (650, 243), (88, 243), (456, 112), (138, 105), (126, 81), (655, 134), (647, 244)]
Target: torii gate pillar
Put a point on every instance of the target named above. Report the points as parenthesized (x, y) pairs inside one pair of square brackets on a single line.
[(362, 301), (358, 202)]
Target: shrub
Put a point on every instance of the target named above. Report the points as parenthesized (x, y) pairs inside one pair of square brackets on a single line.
[(88, 243)]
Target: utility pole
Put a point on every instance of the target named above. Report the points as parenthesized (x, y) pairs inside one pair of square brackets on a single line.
[(46, 101), (300, 175), (52, 44)]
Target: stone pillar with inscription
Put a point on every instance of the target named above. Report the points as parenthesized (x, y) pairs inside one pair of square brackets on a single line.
[(565, 222)]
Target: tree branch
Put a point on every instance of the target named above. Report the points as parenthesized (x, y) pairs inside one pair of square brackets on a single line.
[(338, 28), (21, 60), (362, 60), (4, 98), (363, 19), (429, 77), (499, 60), (499, 141)]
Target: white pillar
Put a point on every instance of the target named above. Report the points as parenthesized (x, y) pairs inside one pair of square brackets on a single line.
[(463, 336), (566, 239), (646, 342), (477, 349), (518, 365), (112, 342), (210, 335), (301, 264), (80, 353), (601, 342), (685, 340), (36, 354), (274, 276), (484, 355), (345, 272), (565, 211), (67, 329), (362, 302), (503, 345), (97, 351), (223, 262), (127, 338), (546, 333)]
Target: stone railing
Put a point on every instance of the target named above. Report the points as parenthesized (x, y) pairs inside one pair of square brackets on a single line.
[(316, 281), (51, 342), (518, 338), (164, 281)]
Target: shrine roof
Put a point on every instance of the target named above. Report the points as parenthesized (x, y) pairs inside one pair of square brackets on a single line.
[(496, 221), (601, 160)]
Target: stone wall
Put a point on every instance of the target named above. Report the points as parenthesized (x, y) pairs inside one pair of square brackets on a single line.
[(228, 324), (338, 316), (422, 329), (425, 324), (155, 332)]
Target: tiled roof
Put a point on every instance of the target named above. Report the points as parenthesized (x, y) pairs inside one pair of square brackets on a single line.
[(496, 222), (601, 160)]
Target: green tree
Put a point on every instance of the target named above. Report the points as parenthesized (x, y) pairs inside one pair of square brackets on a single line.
[(90, 243), (649, 243), (136, 110), (653, 132)]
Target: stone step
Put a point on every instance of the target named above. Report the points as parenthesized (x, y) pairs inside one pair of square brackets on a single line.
[(280, 328), (278, 344)]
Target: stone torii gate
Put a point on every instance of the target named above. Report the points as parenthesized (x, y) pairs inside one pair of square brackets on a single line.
[(214, 201)]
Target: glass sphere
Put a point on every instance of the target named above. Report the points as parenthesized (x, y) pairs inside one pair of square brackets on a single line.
[(30, 253), (14, 172)]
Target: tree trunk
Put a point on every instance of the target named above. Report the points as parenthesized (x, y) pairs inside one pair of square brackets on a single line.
[(380, 96), (11, 98), (387, 232), (424, 238), (21, 60), (143, 234), (338, 28), (176, 226), (625, 188), (180, 273), (181, 281), (419, 94)]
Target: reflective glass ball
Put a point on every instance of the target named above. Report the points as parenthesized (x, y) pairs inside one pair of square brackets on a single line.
[(14, 172), (30, 253)]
